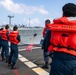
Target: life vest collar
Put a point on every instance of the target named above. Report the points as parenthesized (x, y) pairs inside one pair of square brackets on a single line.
[(65, 20)]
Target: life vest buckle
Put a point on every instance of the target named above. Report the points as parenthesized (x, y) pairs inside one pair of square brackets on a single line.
[(69, 48), (58, 46)]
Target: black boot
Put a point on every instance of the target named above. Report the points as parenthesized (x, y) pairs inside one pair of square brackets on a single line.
[(6, 59), (13, 66), (45, 66), (3, 58), (9, 63)]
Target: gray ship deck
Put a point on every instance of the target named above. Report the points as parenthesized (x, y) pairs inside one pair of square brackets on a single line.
[(29, 63)]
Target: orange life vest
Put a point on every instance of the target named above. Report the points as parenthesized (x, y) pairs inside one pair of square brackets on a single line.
[(0, 32), (63, 35), (13, 37), (4, 36), (45, 30)]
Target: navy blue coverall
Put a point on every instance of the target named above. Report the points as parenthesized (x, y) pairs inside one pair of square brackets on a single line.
[(45, 45)]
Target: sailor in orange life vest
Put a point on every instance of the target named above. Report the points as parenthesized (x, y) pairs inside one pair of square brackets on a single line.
[(46, 28), (14, 38), (5, 46), (0, 37), (46, 44), (63, 42)]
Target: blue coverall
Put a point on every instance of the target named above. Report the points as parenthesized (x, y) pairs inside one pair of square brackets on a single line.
[(63, 64), (0, 41), (5, 48)]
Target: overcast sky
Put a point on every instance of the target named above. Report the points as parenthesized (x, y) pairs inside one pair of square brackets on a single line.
[(35, 10)]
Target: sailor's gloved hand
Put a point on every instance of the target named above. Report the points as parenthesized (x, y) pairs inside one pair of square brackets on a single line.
[(51, 54)]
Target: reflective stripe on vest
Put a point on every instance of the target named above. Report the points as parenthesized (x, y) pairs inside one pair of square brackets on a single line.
[(60, 27)]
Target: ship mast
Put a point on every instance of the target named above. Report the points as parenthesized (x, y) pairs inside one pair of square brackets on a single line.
[(9, 16), (29, 22)]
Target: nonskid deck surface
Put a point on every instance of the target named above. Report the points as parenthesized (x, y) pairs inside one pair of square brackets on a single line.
[(28, 63)]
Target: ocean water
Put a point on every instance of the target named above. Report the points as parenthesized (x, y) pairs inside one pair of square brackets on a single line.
[(27, 36)]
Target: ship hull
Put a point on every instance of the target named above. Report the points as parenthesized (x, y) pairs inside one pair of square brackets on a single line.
[(30, 35)]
